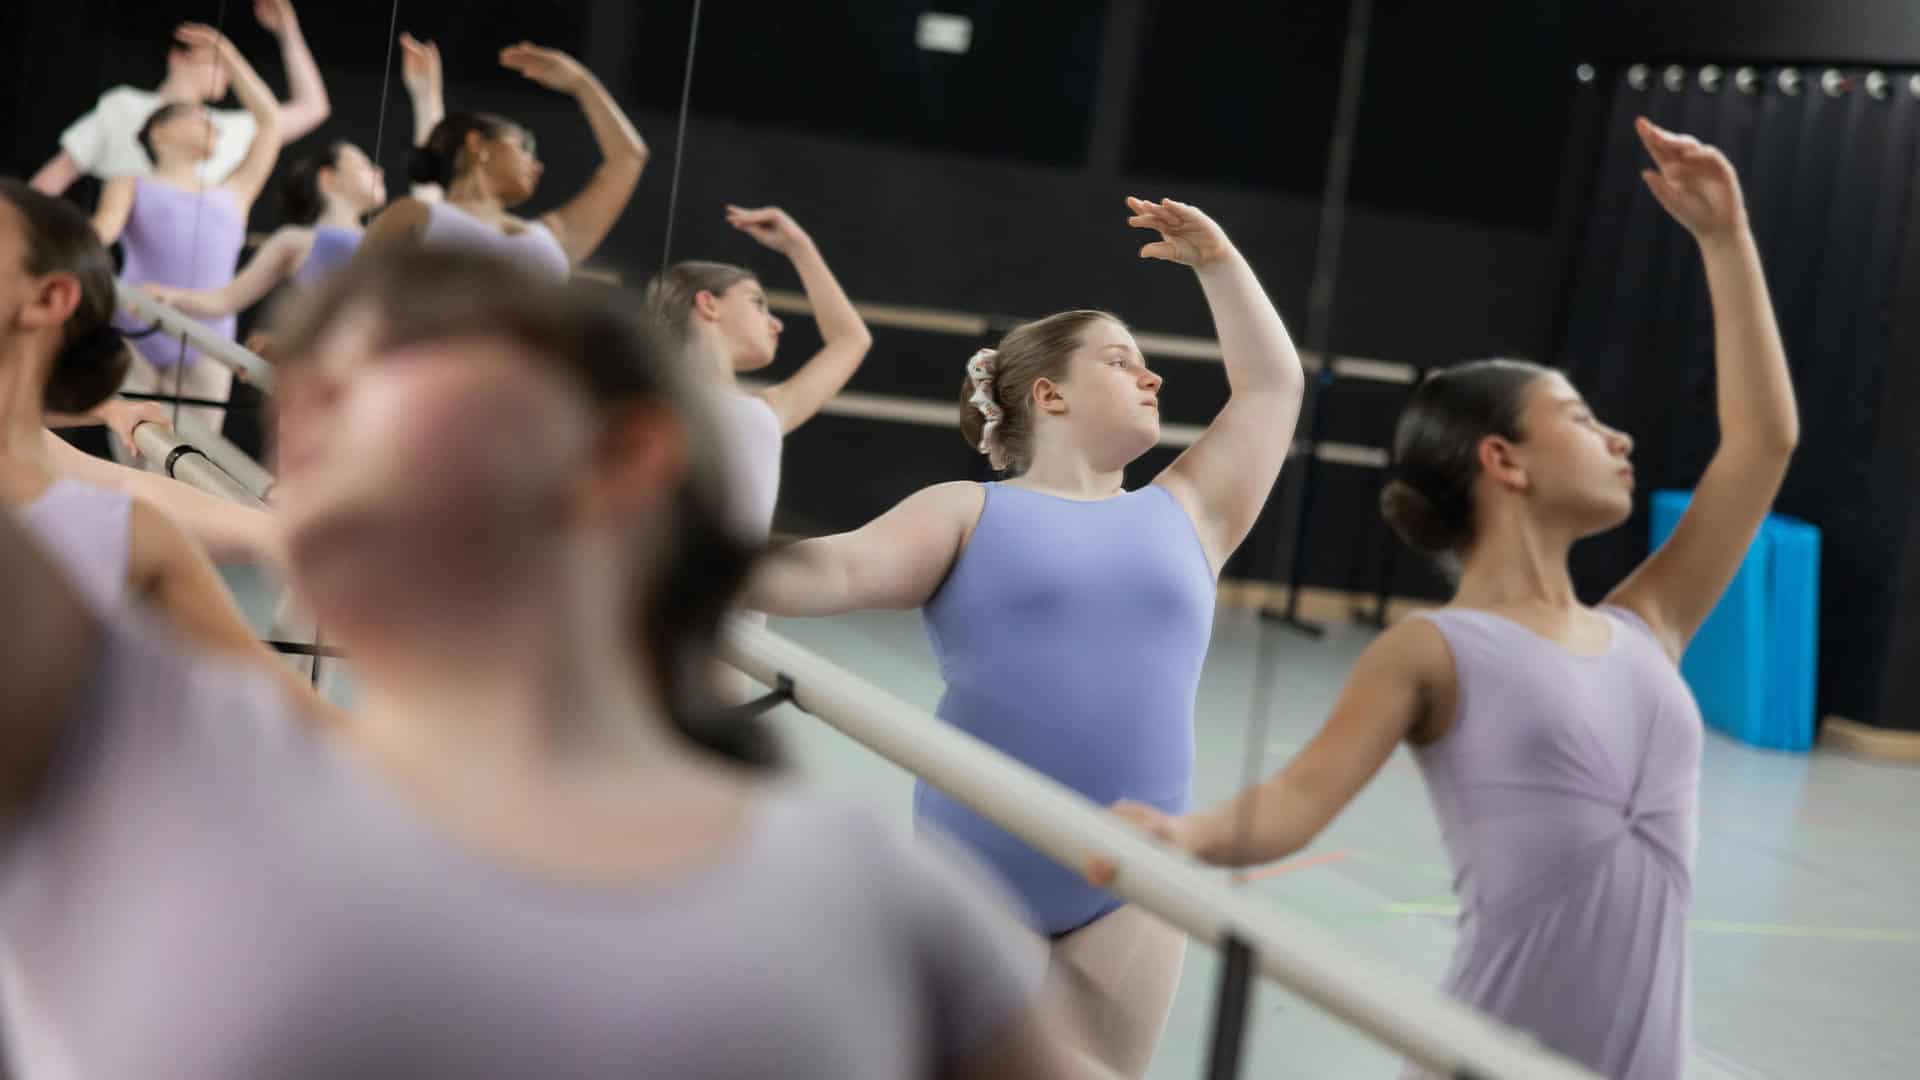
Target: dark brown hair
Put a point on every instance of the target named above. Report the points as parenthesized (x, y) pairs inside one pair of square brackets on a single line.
[(1030, 352), (93, 356), (592, 336), (1436, 448), (442, 158)]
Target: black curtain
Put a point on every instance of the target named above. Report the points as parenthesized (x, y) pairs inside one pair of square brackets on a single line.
[(1828, 176)]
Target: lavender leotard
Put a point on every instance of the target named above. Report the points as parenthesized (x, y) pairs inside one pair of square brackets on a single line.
[(534, 247), (183, 239), (1568, 794), (1070, 635), (86, 531), (333, 245)]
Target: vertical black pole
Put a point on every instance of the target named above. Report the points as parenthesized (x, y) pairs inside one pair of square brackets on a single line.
[(1230, 1011), (1326, 271)]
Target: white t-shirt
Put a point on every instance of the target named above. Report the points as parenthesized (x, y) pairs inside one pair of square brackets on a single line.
[(106, 141)]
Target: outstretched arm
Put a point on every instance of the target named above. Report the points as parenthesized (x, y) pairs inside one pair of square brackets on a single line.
[(1224, 478), (844, 336), (896, 561), (1390, 695), (276, 261), (306, 107), (1677, 587), (229, 532), (584, 220)]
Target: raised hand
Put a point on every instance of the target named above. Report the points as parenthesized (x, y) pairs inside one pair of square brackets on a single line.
[(1693, 181), (201, 37), (771, 226), (1187, 236), (420, 66), (550, 68), (275, 15)]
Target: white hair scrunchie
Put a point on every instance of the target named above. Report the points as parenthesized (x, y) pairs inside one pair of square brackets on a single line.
[(982, 368)]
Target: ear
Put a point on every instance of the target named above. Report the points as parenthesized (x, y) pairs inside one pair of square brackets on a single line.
[(1047, 397), (51, 304), (639, 461), (706, 305), (1500, 461)]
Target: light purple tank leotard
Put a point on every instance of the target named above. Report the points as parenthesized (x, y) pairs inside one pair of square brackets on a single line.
[(1071, 635), (332, 246), (533, 247), (86, 531), (207, 886), (1568, 794), (184, 239)]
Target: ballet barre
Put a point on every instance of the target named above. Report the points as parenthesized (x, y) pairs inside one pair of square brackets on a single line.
[(169, 320), (189, 464), (1429, 1027)]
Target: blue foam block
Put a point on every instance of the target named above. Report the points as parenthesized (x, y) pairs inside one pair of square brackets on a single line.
[(1754, 665)]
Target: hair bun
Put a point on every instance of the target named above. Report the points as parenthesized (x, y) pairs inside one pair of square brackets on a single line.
[(87, 370), (1418, 520), (425, 165)]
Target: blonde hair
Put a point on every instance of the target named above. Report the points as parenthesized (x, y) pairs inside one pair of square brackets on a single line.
[(1030, 352), (670, 295)]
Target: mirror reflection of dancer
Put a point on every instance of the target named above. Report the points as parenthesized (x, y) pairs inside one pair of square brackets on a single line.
[(1560, 745), (105, 143), (1070, 616), (527, 853), (486, 165), (177, 231)]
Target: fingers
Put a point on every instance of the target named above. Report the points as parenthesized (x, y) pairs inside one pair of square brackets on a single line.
[(1662, 190), (1161, 249), (1101, 871)]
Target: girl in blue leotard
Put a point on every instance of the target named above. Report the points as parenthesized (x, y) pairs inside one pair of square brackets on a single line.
[(1071, 616)]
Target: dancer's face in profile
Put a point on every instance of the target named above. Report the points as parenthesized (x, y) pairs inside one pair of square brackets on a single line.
[(509, 161), (471, 447), (355, 178), (750, 331), (1111, 394), (1571, 466)]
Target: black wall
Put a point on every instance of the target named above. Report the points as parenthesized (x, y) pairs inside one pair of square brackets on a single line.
[(992, 182)]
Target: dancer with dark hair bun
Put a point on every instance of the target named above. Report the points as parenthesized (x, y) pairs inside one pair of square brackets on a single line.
[(486, 165), (59, 353), (1559, 742)]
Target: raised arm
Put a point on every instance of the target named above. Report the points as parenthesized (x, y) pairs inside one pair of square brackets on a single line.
[(1676, 588), (47, 645), (584, 220), (306, 106), (896, 561), (422, 74), (116, 206), (250, 177), (1398, 689), (844, 336), (1224, 478), (276, 261)]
